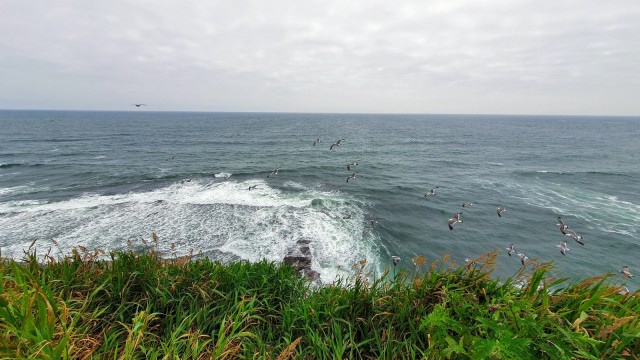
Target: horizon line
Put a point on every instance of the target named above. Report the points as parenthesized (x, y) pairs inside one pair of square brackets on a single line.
[(317, 113)]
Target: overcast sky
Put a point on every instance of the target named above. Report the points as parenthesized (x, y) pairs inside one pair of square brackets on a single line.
[(449, 56)]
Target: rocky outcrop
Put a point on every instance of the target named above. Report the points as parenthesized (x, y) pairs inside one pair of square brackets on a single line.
[(299, 257)]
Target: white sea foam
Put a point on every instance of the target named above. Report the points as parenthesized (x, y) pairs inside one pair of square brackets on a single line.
[(209, 216), (12, 190), (601, 211)]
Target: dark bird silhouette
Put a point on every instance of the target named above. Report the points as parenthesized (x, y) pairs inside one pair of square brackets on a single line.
[(138, 105), (352, 176), (253, 187), (501, 210)]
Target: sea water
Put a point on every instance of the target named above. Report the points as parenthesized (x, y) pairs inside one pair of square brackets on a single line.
[(107, 180)]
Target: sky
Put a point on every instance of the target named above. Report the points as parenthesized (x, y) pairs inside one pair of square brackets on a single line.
[(562, 57)]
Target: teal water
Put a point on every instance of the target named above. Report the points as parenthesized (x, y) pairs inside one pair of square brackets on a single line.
[(99, 179)]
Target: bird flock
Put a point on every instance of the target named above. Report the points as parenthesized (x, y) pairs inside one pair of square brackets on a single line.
[(456, 218)]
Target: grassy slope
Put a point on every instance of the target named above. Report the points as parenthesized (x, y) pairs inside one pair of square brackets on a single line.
[(140, 306)]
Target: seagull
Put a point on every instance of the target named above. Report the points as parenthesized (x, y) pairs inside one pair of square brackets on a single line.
[(500, 210), (625, 272), (563, 248), (510, 249), (467, 204), (273, 172), (623, 290), (351, 164), (523, 258), (562, 226), (316, 142), (469, 262), (431, 192), (253, 187), (347, 217), (185, 180), (574, 236), (395, 260), (374, 221), (352, 176), (171, 157), (138, 105), (337, 143), (454, 220)]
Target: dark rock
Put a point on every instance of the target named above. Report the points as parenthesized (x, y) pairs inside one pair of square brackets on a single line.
[(299, 257)]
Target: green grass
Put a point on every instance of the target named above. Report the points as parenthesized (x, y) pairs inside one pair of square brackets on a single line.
[(139, 306)]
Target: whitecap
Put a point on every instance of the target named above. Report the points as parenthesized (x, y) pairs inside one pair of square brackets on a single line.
[(223, 175)]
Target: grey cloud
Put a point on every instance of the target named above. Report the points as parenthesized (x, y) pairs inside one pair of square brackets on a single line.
[(360, 56)]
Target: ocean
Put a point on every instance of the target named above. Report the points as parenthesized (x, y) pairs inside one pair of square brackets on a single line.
[(108, 180)]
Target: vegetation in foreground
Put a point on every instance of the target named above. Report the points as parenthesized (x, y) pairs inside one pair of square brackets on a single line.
[(139, 306)]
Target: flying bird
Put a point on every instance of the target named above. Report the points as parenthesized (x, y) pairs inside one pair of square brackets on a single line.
[(563, 248), (467, 204), (454, 220), (352, 176), (138, 105), (273, 172), (316, 142), (623, 290), (337, 143), (501, 210), (562, 226), (572, 234), (510, 249), (351, 164), (625, 272), (253, 187), (431, 192), (523, 258), (348, 217)]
